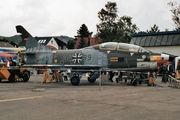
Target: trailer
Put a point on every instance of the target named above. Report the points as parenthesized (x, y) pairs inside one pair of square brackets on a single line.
[(14, 73)]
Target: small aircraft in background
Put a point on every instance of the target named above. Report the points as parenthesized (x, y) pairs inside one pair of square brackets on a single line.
[(10, 52), (110, 56), (14, 72)]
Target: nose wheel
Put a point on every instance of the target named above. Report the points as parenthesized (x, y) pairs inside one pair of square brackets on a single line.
[(26, 76), (134, 81), (75, 80), (11, 78)]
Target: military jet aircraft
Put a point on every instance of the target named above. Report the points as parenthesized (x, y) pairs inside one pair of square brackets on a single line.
[(106, 56)]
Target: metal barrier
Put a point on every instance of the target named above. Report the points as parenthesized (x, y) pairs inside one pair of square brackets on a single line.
[(173, 82)]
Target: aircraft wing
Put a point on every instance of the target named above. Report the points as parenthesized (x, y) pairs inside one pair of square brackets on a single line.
[(83, 68), (127, 69), (60, 67)]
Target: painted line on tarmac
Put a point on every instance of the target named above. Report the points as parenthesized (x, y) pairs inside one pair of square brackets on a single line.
[(16, 99)]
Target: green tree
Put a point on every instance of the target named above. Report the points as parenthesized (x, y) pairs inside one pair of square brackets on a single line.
[(106, 28), (113, 28), (70, 44), (153, 29), (125, 28), (82, 33), (3, 39), (175, 9)]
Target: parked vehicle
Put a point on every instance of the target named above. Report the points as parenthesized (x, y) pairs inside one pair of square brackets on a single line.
[(14, 73)]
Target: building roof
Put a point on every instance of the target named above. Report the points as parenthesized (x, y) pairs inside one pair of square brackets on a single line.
[(168, 38), (63, 39), (43, 40), (5, 44), (93, 41), (155, 33)]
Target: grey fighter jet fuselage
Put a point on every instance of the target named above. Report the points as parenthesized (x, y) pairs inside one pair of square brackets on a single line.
[(106, 56)]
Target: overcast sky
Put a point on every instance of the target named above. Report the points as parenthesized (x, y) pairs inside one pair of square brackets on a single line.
[(64, 17)]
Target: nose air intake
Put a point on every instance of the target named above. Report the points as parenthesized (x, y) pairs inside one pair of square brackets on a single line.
[(163, 57), (167, 57)]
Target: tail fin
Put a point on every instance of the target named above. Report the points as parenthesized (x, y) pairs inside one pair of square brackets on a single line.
[(35, 53), (24, 33), (27, 39)]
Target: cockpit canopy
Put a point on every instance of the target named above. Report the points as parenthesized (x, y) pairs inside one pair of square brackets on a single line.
[(122, 47)]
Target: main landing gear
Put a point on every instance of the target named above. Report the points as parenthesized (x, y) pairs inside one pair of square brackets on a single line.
[(93, 75), (91, 80), (75, 78)]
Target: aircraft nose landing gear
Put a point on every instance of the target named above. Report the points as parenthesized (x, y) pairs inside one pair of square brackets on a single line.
[(134, 81), (75, 80)]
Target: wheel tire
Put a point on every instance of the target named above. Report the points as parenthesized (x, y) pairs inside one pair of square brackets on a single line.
[(134, 82), (91, 80), (11, 78), (26, 77), (75, 80)]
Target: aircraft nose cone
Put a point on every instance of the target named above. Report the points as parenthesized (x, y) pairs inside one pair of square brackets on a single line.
[(164, 56), (167, 57)]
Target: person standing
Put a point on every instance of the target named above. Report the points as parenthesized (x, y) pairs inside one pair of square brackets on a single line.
[(170, 69), (111, 75), (12, 63), (178, 69), (151, 81), (56, 75), (164, 73), (7, 64), (47, 76), (65, 76), (20, 62)]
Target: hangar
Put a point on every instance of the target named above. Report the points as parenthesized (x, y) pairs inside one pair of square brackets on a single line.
[(168, 41)]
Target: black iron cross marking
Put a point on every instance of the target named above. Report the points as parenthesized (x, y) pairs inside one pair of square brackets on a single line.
[(77, 57)]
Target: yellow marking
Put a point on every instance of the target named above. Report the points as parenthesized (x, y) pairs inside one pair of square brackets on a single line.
[(55, 60), (16, 99), (155, 58), (114, 59)]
